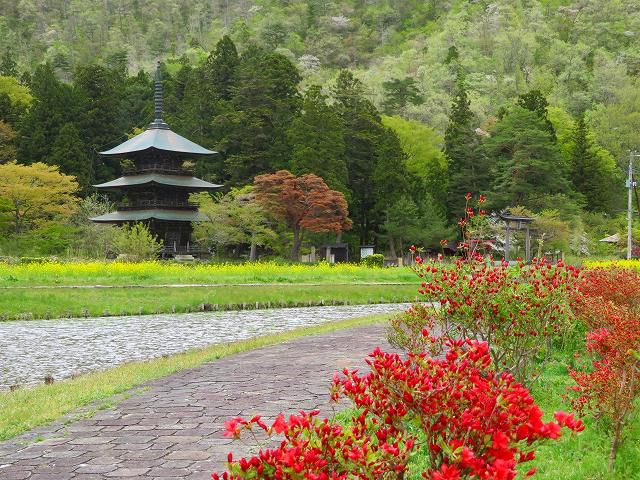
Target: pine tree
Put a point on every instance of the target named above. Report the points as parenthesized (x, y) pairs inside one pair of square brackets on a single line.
[(468, 170), (317, 140), (588, 174), (528, 163), (399, 93), (534, 101)]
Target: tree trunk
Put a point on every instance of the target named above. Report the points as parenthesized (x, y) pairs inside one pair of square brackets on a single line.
[(252, 252), (297, 241), (392, 247), (617, 438)]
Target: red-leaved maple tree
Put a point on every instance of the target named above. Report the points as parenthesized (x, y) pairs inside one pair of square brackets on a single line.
[(303, 203)]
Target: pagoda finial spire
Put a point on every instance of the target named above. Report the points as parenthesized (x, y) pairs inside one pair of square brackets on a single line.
[(158, 122)]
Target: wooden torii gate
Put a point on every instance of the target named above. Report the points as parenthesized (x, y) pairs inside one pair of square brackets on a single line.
[(517, 223)]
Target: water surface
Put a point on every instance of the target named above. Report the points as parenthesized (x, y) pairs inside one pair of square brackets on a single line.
[(33, 349)]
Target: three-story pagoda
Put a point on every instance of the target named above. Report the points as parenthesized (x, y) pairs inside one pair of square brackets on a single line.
[(156, 185)]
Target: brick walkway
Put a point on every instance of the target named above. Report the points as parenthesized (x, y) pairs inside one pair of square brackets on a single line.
[(174, 428)]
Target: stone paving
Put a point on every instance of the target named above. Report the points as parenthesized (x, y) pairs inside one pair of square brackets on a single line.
[(173, 428)]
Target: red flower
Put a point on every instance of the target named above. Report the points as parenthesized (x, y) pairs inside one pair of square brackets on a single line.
[(446, 472), (279, 425)]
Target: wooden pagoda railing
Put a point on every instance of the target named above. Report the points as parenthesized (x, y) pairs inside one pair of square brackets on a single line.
[(167, 169), (138, 204)]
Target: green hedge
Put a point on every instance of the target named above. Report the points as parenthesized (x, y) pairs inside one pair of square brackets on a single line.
[(373, 261)]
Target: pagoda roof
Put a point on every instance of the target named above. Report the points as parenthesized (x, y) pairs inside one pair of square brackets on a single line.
[(160, 179), (148, 214), (158, 135), (159, 138)]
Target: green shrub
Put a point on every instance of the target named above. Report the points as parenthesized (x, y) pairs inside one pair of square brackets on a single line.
[(373, 261), (136, 243)]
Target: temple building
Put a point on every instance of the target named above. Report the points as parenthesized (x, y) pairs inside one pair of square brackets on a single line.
[(156, 183)]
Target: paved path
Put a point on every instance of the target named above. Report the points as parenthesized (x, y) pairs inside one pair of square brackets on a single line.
[(174, 428)]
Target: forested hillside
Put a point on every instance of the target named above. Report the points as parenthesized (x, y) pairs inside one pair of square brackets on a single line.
[(402, 105)]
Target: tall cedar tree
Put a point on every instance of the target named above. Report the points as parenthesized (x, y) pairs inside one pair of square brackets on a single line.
[(55, 104), (197, 111), (303, 203), (317, 140), (588, 175), (375, 160), (528, 163), (101, 124), (207, 94), (136, 106), (414, 222), (468, 170), (265, 101), (221, 69), (202, 93)]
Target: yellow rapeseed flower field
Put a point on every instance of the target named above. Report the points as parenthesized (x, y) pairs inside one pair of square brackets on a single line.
[(156, 272), (633, 264)]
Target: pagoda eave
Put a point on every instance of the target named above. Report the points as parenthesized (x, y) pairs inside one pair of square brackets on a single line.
[(191, 183), (161, 139), (169, 215)]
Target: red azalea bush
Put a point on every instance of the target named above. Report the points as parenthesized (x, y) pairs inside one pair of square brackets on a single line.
[(618, 285), (517, 311), (608, 303), (467, 420)]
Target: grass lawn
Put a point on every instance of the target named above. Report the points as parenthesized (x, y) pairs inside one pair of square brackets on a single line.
[(583, 456), (23, 410), (165, 273), (55, 303)]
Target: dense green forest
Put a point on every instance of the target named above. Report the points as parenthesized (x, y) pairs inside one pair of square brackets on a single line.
[(404, 106)]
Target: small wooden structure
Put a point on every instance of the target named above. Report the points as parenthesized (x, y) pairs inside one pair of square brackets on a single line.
[(517, 223), (334, 252), (157, 185)]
